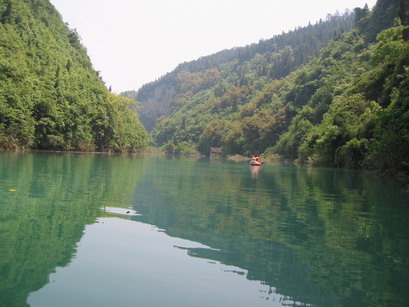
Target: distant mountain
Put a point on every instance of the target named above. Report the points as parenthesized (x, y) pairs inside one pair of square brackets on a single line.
[(334, 93), (50, 96), (267, 60)]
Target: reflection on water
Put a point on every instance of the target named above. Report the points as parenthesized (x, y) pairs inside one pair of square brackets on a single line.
[(255, 170), (135, 264), (42, 221), (320, 236), (89, 229)]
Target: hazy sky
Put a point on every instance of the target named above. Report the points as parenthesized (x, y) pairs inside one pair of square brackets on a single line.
[(133, 42)]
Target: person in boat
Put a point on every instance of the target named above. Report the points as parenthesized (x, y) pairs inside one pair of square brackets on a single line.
[(255, 158)]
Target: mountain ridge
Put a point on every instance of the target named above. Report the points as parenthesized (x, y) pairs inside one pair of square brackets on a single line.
[(345, 108), (159, 97)]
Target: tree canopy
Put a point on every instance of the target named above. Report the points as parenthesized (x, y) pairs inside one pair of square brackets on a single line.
[(334, 93), (51, 98)]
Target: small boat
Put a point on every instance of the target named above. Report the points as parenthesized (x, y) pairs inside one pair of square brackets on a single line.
[(255, 163)]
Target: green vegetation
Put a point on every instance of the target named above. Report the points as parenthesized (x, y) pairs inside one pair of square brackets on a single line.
[(344, 105), (246, 68), (51, 98)]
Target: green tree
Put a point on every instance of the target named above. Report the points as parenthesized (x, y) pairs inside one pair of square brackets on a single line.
[(44, 106)]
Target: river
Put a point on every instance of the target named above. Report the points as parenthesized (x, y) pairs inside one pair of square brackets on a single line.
[(121, 230)]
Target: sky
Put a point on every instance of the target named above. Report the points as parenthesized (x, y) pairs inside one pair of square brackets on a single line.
[(134, 42)]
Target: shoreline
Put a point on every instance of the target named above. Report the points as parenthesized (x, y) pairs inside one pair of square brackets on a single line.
[(269, 159)]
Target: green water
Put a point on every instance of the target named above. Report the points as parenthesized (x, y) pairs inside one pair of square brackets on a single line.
[(109, 230)]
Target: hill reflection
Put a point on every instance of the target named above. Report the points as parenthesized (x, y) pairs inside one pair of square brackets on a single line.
[(320, 236), (55, 196)]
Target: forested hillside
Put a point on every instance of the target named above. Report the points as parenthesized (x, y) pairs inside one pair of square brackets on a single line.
[(251, 66), (51, 98), (348, 107)]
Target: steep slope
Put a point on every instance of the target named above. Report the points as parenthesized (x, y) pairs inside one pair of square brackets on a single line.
[(350, 107), (252, 65), (50, 95), (346, 108)]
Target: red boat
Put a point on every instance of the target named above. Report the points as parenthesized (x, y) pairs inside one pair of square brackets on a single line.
[(255, 163)]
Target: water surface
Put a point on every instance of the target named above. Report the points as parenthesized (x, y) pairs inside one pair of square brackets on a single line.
[(112, 230)]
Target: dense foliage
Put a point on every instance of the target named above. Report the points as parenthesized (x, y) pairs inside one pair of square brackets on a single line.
[(252, 66), (50, 96), (348, 107)]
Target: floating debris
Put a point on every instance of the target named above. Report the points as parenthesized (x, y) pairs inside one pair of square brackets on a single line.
[(122, 211)]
